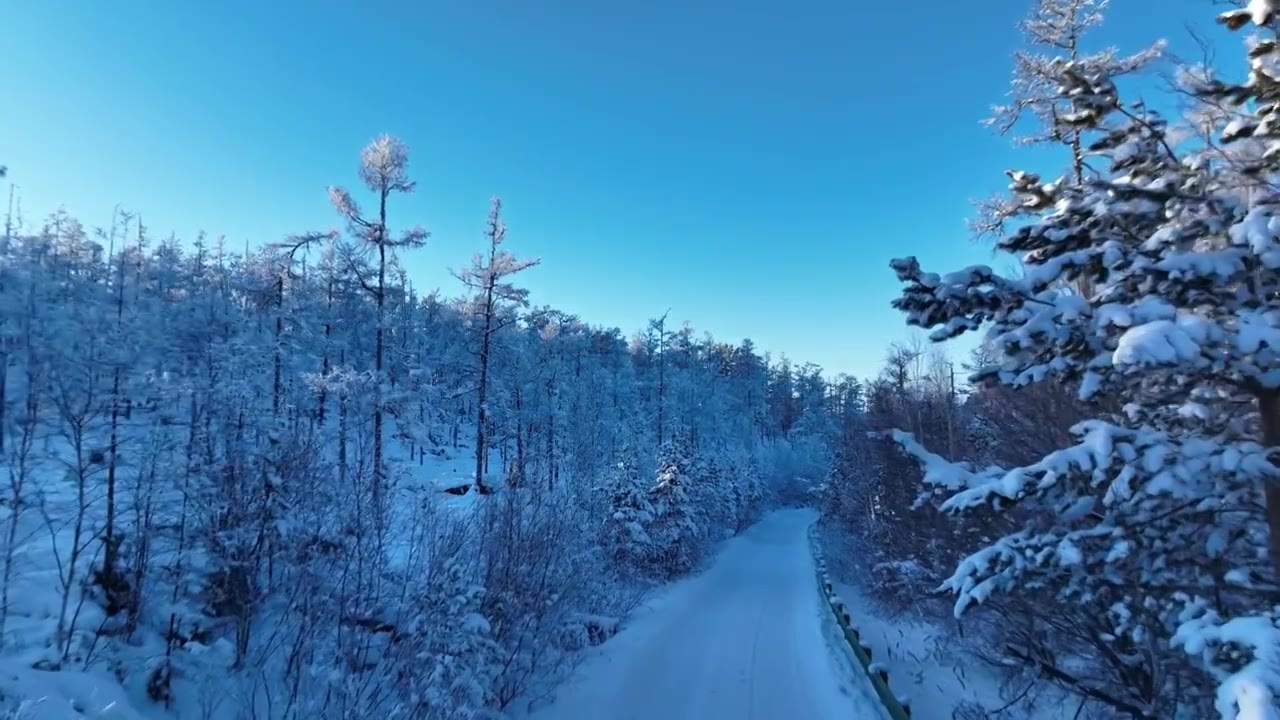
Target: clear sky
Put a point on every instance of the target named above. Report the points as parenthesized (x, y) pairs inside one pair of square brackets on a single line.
[(751, 164)]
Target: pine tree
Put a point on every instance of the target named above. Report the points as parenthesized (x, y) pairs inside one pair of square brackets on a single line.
[(630, 514), (458, 660), (1046, 90), (675, 532), (1156, 512), (656, 338)]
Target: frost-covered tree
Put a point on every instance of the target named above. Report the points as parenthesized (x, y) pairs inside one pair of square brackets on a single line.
[(626, 539), (204, 420), (492, 306), (1055, 32), (458, 662), (675, 531), (384, 169), (1047, 102), (1165, 512)]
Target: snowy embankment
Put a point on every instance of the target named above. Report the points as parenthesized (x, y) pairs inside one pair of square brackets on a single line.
[(921, 666), (747, 638), (929, 665), (61, 657), (28, 694)]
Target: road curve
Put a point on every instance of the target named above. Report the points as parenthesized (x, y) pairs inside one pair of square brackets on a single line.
[(748, 639)]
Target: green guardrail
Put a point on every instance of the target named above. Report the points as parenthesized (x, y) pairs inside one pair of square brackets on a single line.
[(898, 709)]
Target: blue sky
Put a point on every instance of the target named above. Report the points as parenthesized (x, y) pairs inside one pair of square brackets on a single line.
[(752, 165)]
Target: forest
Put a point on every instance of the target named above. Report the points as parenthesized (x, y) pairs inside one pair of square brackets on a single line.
[(280, 481)]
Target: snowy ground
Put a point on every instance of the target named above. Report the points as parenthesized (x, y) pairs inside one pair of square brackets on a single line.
[(44, 534), (929, 667), (747, 639)]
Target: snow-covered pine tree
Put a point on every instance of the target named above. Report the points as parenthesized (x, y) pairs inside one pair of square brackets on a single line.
[(1156, 512), (712, 494), (629, 515), (675, 533), (1038, 111), (754, 491), (457, 663)]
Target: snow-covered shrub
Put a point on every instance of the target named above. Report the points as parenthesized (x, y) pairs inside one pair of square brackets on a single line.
[(542, 569), (453, 672)]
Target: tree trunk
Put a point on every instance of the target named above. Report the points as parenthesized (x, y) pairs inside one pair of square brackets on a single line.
[(662, 391), (551, 440), (342, 432), (482, 394), (379, 349), (111, 542), (276, 361), (324, 362), (1269, 411), (480, 416), (519, 475), (951, 414), (4, 398)]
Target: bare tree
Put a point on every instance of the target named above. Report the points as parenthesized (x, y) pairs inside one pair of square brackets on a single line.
[(21, 463), (78, 409), (487, 277), (4, 338), (111, 538), (658, 331), (942, 381)]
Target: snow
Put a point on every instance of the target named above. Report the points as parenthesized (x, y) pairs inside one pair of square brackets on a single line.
[(1069, 553), (27, 694), (928, 666), (1163, 342), (748, 638), (1246, 693), (85, 687), (1258, 231)]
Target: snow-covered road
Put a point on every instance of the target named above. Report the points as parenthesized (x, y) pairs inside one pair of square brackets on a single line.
[(746, 640)]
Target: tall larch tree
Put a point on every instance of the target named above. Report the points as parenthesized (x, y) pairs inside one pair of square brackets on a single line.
[(493, 294), (384, 168)]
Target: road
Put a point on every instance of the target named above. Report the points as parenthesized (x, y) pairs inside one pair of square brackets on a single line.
[(748, 639)]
